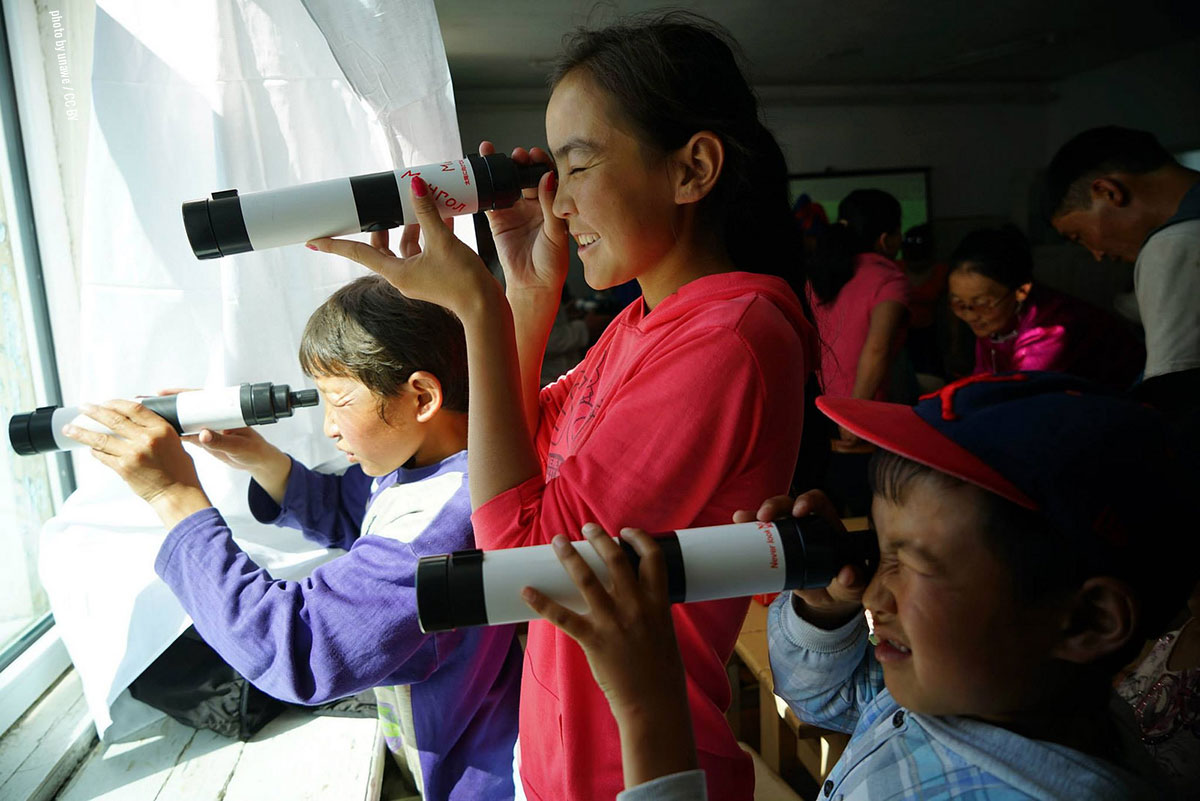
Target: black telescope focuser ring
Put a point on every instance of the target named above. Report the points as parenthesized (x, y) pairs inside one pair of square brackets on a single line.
[(450, 590), (817, 552)]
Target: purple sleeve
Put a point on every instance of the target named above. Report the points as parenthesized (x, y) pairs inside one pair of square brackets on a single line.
[(349, 626), (327, 509)]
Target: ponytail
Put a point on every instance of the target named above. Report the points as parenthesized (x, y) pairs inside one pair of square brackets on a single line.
[(863, 216)]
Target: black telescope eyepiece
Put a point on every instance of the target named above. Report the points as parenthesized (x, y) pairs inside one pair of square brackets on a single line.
[(506, 179), (31, 432), (215, 226), (304, 397)]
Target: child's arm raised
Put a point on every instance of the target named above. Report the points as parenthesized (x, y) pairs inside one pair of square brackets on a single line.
[(501, 453), (532, 246)]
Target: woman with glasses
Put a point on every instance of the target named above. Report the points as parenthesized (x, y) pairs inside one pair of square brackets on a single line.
[(1021, 325)]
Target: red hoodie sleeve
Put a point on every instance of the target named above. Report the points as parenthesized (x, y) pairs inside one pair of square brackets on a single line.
[(682, 426)]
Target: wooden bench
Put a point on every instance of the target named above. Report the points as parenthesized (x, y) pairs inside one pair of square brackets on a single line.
[(297, 756), (784, 741)]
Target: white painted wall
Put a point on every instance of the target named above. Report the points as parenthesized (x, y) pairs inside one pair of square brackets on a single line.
[(961, 142), (975, 150), (1157, 91)]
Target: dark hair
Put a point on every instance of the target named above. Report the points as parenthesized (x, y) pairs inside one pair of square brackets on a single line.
[(917, 244), (1001, 254), (1094, 153), (863, 215), (674, 74), (1043, 562), (370, 332)]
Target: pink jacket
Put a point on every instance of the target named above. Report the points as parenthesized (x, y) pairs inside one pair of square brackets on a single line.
[(844, 322), (1060, 333)]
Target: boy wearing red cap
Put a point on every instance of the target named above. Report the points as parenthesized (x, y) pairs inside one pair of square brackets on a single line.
[(1032, 535)]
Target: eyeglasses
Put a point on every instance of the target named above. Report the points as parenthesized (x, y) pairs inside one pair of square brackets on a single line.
[(958, 307)]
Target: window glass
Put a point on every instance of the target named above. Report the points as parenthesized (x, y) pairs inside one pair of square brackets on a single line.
[(26, 493), (30, 486), (910, 187)]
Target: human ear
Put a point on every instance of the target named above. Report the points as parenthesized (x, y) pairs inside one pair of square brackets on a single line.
[(698, 166), (888, 244), (1111, 191), (1101, 618), (428, 391), (1022, 291)]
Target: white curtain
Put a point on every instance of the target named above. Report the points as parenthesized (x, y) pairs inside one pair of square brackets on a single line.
[(188, 98)]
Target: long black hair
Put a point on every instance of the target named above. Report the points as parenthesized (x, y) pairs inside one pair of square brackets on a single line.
[(863, 215), (674, 74)]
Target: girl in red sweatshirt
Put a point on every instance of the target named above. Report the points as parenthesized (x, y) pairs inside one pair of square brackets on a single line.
[(689, 406)]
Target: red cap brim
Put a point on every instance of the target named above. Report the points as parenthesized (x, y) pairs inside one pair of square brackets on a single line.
[(897, 428)]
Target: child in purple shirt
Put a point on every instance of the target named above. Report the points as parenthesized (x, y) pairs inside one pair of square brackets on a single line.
[(393, 375)]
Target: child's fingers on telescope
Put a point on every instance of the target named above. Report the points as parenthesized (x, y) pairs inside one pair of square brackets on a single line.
[(93, 439), (772, 508), (174, 391), (379, 239), (620, 572), (652, 569), (815, 502), (428, 219), (572, 624), (553, 227), (354, 250), (581, 573), (134, 413), (105, 414), (410, 241), (522, 156), (107, 459)]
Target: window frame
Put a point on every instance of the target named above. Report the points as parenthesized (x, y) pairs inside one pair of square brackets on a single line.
[(32, 663)]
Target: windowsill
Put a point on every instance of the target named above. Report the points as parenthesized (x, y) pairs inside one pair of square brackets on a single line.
[(296, 756), (52, 753), (39, 753)]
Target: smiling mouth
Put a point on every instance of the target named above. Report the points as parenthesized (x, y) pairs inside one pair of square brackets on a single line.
[(584, 240), (886, 647)]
